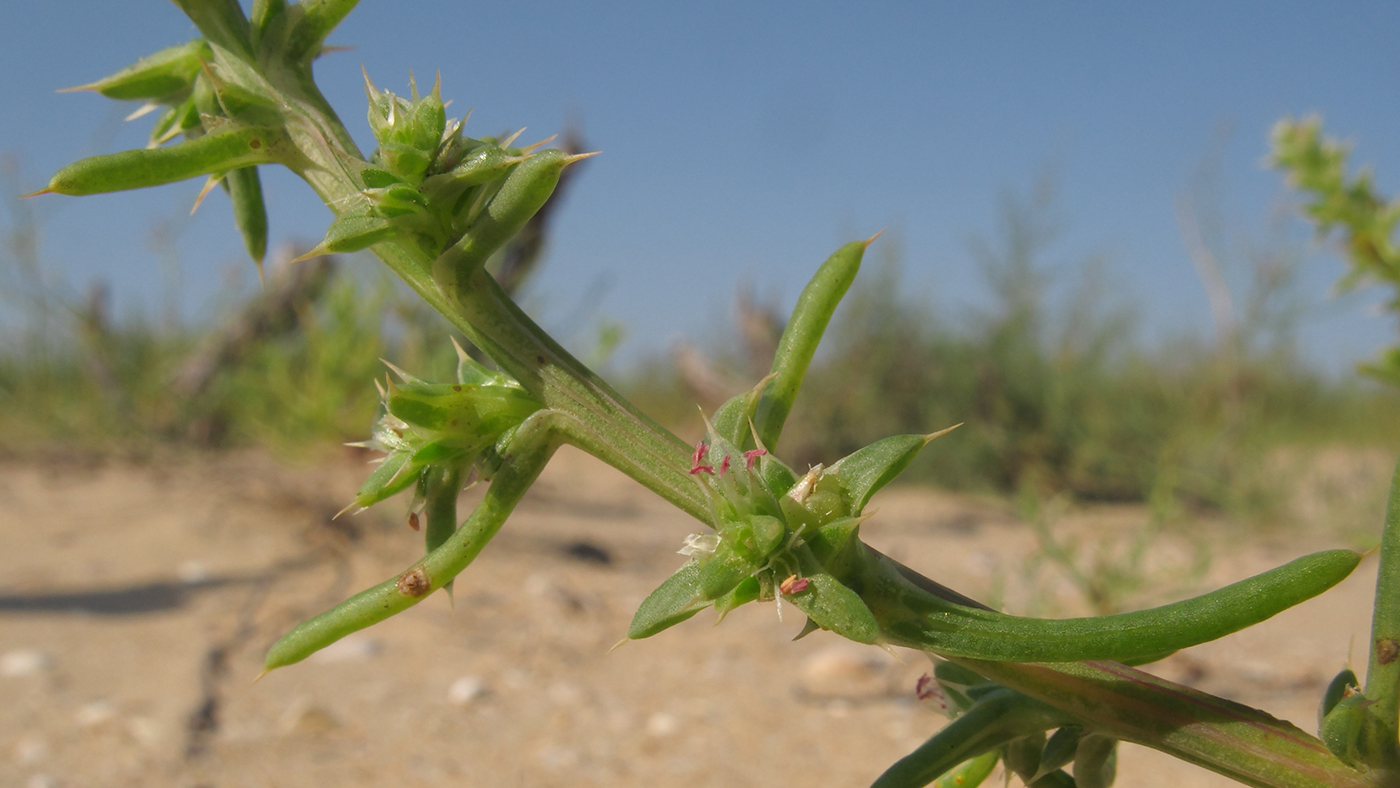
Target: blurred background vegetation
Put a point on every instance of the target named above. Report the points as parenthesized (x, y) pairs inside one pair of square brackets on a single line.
[(1056, 393)]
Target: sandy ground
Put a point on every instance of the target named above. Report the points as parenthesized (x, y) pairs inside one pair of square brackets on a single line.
[(136, 600)]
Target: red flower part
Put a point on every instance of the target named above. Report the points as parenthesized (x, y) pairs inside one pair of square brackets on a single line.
[(695, 466), (752, 456), (724, 466), (924, 688), (792, 585)]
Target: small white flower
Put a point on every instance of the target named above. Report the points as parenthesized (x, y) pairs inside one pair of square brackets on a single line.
[(699, 544)]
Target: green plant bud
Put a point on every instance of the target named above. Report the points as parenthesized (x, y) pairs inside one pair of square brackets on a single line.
[(521, 196), (1343, 727), (748, 590), (174, 121), (471, 413), (427, 118), (394, 475), (1059, 750), (417, 124), (482, 165), (1022, 755), (384, 109), (397, 200), (970, 774), (249, 212), (733, 561), (674, 601), (469, 371), (813, 500), (351, 233), (443, 451), (405, 161), (828, 541), (1342, 685), (168, 72), (379, 179), (1096, 762), (832, 605), (232, 147)]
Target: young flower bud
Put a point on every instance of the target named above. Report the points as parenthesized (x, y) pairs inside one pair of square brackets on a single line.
[(397, 200), (521, 196), (351, 233), (425, 426)]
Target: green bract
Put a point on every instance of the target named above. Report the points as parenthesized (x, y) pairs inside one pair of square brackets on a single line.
[(426, 427), (159, 77)]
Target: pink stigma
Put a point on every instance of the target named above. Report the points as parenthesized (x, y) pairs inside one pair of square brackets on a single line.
[(724, 466), (751, 456), (695, 466)]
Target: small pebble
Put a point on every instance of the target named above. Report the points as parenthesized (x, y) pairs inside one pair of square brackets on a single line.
[(305, 717), (30, 749), (192, 572), (846, 672), (145, 730), (24, 662), (93, 714), (465, 690), (662, 724)]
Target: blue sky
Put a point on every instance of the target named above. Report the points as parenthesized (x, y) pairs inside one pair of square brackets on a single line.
[(744, 142)]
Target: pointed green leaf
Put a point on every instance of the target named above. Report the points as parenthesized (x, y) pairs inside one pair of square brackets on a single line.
[(166, 73), (832, 605), (249, 212), (672, 602), (231, 147), (866, 470), (799, 340), (747, 591), (394, 475)]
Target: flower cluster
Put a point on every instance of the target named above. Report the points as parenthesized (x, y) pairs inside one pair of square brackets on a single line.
[(422, 426)]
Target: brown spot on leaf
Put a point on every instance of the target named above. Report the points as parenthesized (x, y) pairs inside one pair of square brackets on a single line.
[(539, 359), (255, 143), (414, 582), (456, 388), (1387, 650)]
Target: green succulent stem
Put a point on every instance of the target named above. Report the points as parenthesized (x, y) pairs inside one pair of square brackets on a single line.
[(1383, 671), (1229, 738)]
